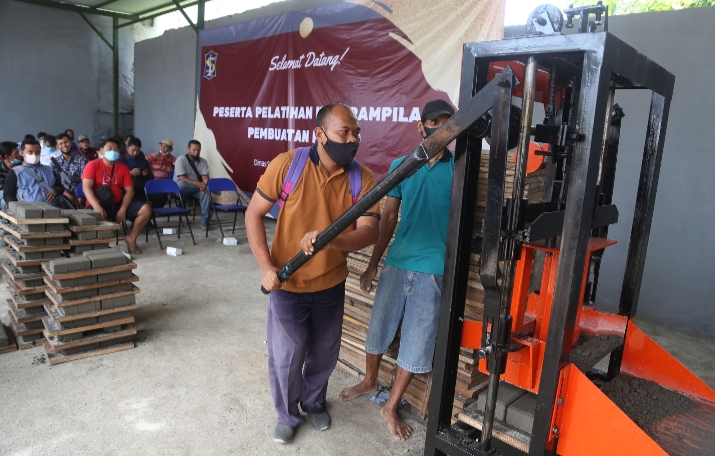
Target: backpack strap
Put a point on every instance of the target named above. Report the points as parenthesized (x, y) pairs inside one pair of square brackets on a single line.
[(294, 172), (355, 179)]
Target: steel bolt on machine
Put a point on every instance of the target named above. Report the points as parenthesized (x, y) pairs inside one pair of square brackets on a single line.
[(540, 262)]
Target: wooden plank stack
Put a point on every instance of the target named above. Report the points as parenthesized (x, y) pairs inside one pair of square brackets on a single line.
[(89, 232), (358, 307), (91, 299), (35, 234)]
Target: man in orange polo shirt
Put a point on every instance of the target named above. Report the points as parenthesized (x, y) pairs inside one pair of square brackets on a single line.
[(305, 313)]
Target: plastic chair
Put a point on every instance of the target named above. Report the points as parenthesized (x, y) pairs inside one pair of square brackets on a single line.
[(222, 184), (156, 186)]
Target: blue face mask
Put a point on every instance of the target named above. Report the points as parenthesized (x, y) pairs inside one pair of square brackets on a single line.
[(16, 162), (50, 149), (111, 155)]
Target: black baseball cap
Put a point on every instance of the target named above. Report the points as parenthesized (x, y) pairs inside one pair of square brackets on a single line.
[(436, 108)]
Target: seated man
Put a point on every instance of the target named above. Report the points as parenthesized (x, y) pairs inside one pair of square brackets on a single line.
[(87, 151), (192, 174), (32, 181), (9, 158), (162, 162), (139, 167), (49, 150), (117, 203), (69, 166)]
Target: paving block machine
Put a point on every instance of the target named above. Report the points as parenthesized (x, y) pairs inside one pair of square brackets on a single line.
[(542, 335)]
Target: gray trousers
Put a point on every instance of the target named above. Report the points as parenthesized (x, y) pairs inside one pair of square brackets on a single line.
[(304, 332)]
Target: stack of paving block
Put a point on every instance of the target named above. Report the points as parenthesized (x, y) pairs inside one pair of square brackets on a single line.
[(358, 308), (35, 233), (91, 302), (89, 232)]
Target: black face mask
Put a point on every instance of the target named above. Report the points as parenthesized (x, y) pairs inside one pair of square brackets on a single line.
[(340, 153), (429, 131)]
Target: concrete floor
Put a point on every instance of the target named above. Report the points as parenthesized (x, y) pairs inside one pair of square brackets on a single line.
[(197, 383)]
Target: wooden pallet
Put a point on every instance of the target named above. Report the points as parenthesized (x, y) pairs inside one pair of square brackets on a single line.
[(52, 329), (100, 226), (22, 263), (22, 234), (21, 344), (58, 358), (33, 248), (54, 298), (21, 291), (56, 289), (92, 338), (55, 313), (20, 316), (6, 265), (72, 275), (25, 305), (35, 221), (91, 241)]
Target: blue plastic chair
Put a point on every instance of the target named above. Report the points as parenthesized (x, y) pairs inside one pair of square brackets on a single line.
[(157, 186), (223, 184)]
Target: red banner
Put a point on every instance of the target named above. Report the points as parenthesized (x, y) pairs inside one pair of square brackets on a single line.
[(260, 97)]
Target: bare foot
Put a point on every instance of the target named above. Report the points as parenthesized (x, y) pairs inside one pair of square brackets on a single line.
[(399, 429), (348, 394)]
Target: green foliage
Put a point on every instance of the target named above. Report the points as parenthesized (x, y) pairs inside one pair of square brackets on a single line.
[(616, 7)]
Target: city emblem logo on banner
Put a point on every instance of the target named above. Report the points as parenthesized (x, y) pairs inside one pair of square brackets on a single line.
[(210, 64)]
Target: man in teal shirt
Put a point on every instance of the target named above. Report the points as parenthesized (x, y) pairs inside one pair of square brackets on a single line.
[(411, 283)]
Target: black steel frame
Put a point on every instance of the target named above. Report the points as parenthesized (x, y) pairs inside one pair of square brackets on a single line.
[(607, 63)]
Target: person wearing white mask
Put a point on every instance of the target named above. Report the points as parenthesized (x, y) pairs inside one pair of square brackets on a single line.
[(32, 181)]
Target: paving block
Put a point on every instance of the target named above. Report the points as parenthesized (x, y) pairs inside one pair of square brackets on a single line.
[(29, 269), (112, 276), (48, 211), (101, 246), (89, 307), (78, 264), (34, 310), (81, 248), (68, 337), (506, 396), (52, 254), (54, 241), (28, 212), (56, 227), (103, 250), (114, 316), (91, 212), (111, 329), (520, 414), (30, 255), (120, 340), (30, 338), (32, 228), (57, 266), (85, 293), (116, 288), (33, 242), (78, 218), (107, 260), (12, 206), (34, 325), (117, 302), (85, 236), (86, 280), (29, 283), (78, 323), (81, 349), (106, 234)]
